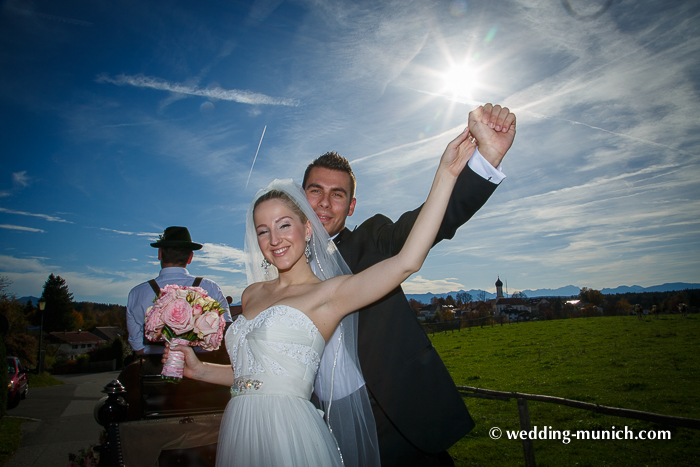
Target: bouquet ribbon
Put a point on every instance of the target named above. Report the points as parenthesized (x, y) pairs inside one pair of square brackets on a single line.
[(175, 363)]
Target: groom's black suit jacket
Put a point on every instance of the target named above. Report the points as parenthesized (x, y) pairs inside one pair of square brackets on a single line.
[(403, 371)]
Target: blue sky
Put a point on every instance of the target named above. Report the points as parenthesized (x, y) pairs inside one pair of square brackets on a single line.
[(119, 119)]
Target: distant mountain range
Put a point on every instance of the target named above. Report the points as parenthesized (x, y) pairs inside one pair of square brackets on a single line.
[(24, 300), (566, 291)]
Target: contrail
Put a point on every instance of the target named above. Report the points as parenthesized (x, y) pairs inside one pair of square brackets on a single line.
[(541, 116), (256, 156), (622, 135), (449, 98)]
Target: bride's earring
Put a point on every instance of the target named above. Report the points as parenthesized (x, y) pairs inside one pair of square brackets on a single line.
[(265, 264), (307, 251)]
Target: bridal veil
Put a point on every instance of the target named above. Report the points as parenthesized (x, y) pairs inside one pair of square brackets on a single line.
[(339, 384)]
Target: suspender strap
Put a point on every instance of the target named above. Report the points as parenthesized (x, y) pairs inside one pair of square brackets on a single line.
[(156, 289), (154, 286)]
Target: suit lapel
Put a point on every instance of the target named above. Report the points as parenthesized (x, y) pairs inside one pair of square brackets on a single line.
[(341, 236)]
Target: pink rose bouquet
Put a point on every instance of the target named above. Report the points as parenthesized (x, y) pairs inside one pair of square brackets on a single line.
[(185, 316)]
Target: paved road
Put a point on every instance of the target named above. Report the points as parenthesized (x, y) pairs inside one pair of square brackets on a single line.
[(65, 421)]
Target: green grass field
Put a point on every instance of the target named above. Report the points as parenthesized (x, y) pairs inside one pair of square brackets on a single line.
[(649, 365)]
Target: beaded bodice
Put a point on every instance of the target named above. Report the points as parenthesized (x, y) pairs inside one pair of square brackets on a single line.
[(277, 352)]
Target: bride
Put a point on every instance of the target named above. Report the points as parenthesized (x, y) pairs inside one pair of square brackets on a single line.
[(301, 291)]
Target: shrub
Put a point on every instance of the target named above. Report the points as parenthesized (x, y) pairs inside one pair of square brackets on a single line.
[(22, 346), (3, 379), (109, 351)]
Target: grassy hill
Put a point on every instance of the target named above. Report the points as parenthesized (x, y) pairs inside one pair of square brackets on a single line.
[(649, 365)]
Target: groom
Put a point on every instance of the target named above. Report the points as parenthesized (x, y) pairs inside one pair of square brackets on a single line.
[(418, 410)]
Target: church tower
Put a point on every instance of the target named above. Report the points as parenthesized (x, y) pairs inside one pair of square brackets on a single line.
[(499, 288)]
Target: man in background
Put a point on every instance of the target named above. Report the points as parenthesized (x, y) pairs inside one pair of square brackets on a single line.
[(175, 252)]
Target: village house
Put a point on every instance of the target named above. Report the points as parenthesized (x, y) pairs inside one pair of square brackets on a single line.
[(74, 343), (427, 312)]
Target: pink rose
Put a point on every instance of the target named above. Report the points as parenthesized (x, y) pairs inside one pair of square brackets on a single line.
[(197, 310), (213, 340), (207, 324), (154, 322), (178, 316)]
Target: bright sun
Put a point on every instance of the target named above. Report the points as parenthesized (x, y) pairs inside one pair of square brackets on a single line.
[(460, 81)]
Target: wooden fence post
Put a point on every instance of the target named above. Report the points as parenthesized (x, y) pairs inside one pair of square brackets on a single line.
[(528, 447)]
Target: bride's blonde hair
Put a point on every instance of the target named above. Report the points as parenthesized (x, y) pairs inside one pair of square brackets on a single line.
[(281, 195)]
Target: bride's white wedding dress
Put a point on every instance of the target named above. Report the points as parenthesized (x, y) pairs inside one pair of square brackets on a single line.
[(270, 420)]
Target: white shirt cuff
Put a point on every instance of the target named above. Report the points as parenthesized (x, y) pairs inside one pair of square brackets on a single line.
[(484, 169)]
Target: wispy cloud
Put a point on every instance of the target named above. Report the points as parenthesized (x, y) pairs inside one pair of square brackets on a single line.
[(110, 272), (418, 284), (13, 264), (31, 214), (235, 95), (19, 227), (98, 284), (21, 179), (12, 6), (219, 257), (138, 234)]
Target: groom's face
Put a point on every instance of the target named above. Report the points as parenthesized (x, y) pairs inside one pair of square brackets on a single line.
[(330, 196)]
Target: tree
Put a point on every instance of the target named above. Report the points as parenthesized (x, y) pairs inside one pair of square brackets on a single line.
[(484, 310), (58, 314), (519, 295), (623, 307), (415, 305), (445, 315), (481, 296), (670, 304), (5, 295), (115, 316), (3, 380), (88, 317), (591, 296), (18, 342), (590, 310), (464, 298), (22, 346)]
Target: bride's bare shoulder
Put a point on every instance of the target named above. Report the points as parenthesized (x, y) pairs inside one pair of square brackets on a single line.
[(250, 292)]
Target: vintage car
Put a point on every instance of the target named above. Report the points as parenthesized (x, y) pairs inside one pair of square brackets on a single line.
[(150, 421), (17, 383)]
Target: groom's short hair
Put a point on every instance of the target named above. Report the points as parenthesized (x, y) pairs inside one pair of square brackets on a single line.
[(332, 161)]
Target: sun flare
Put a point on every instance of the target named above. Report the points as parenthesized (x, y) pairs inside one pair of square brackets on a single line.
[(460, 81)]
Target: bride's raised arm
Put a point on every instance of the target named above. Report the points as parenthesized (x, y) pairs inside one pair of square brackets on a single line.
[(350, 293)]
